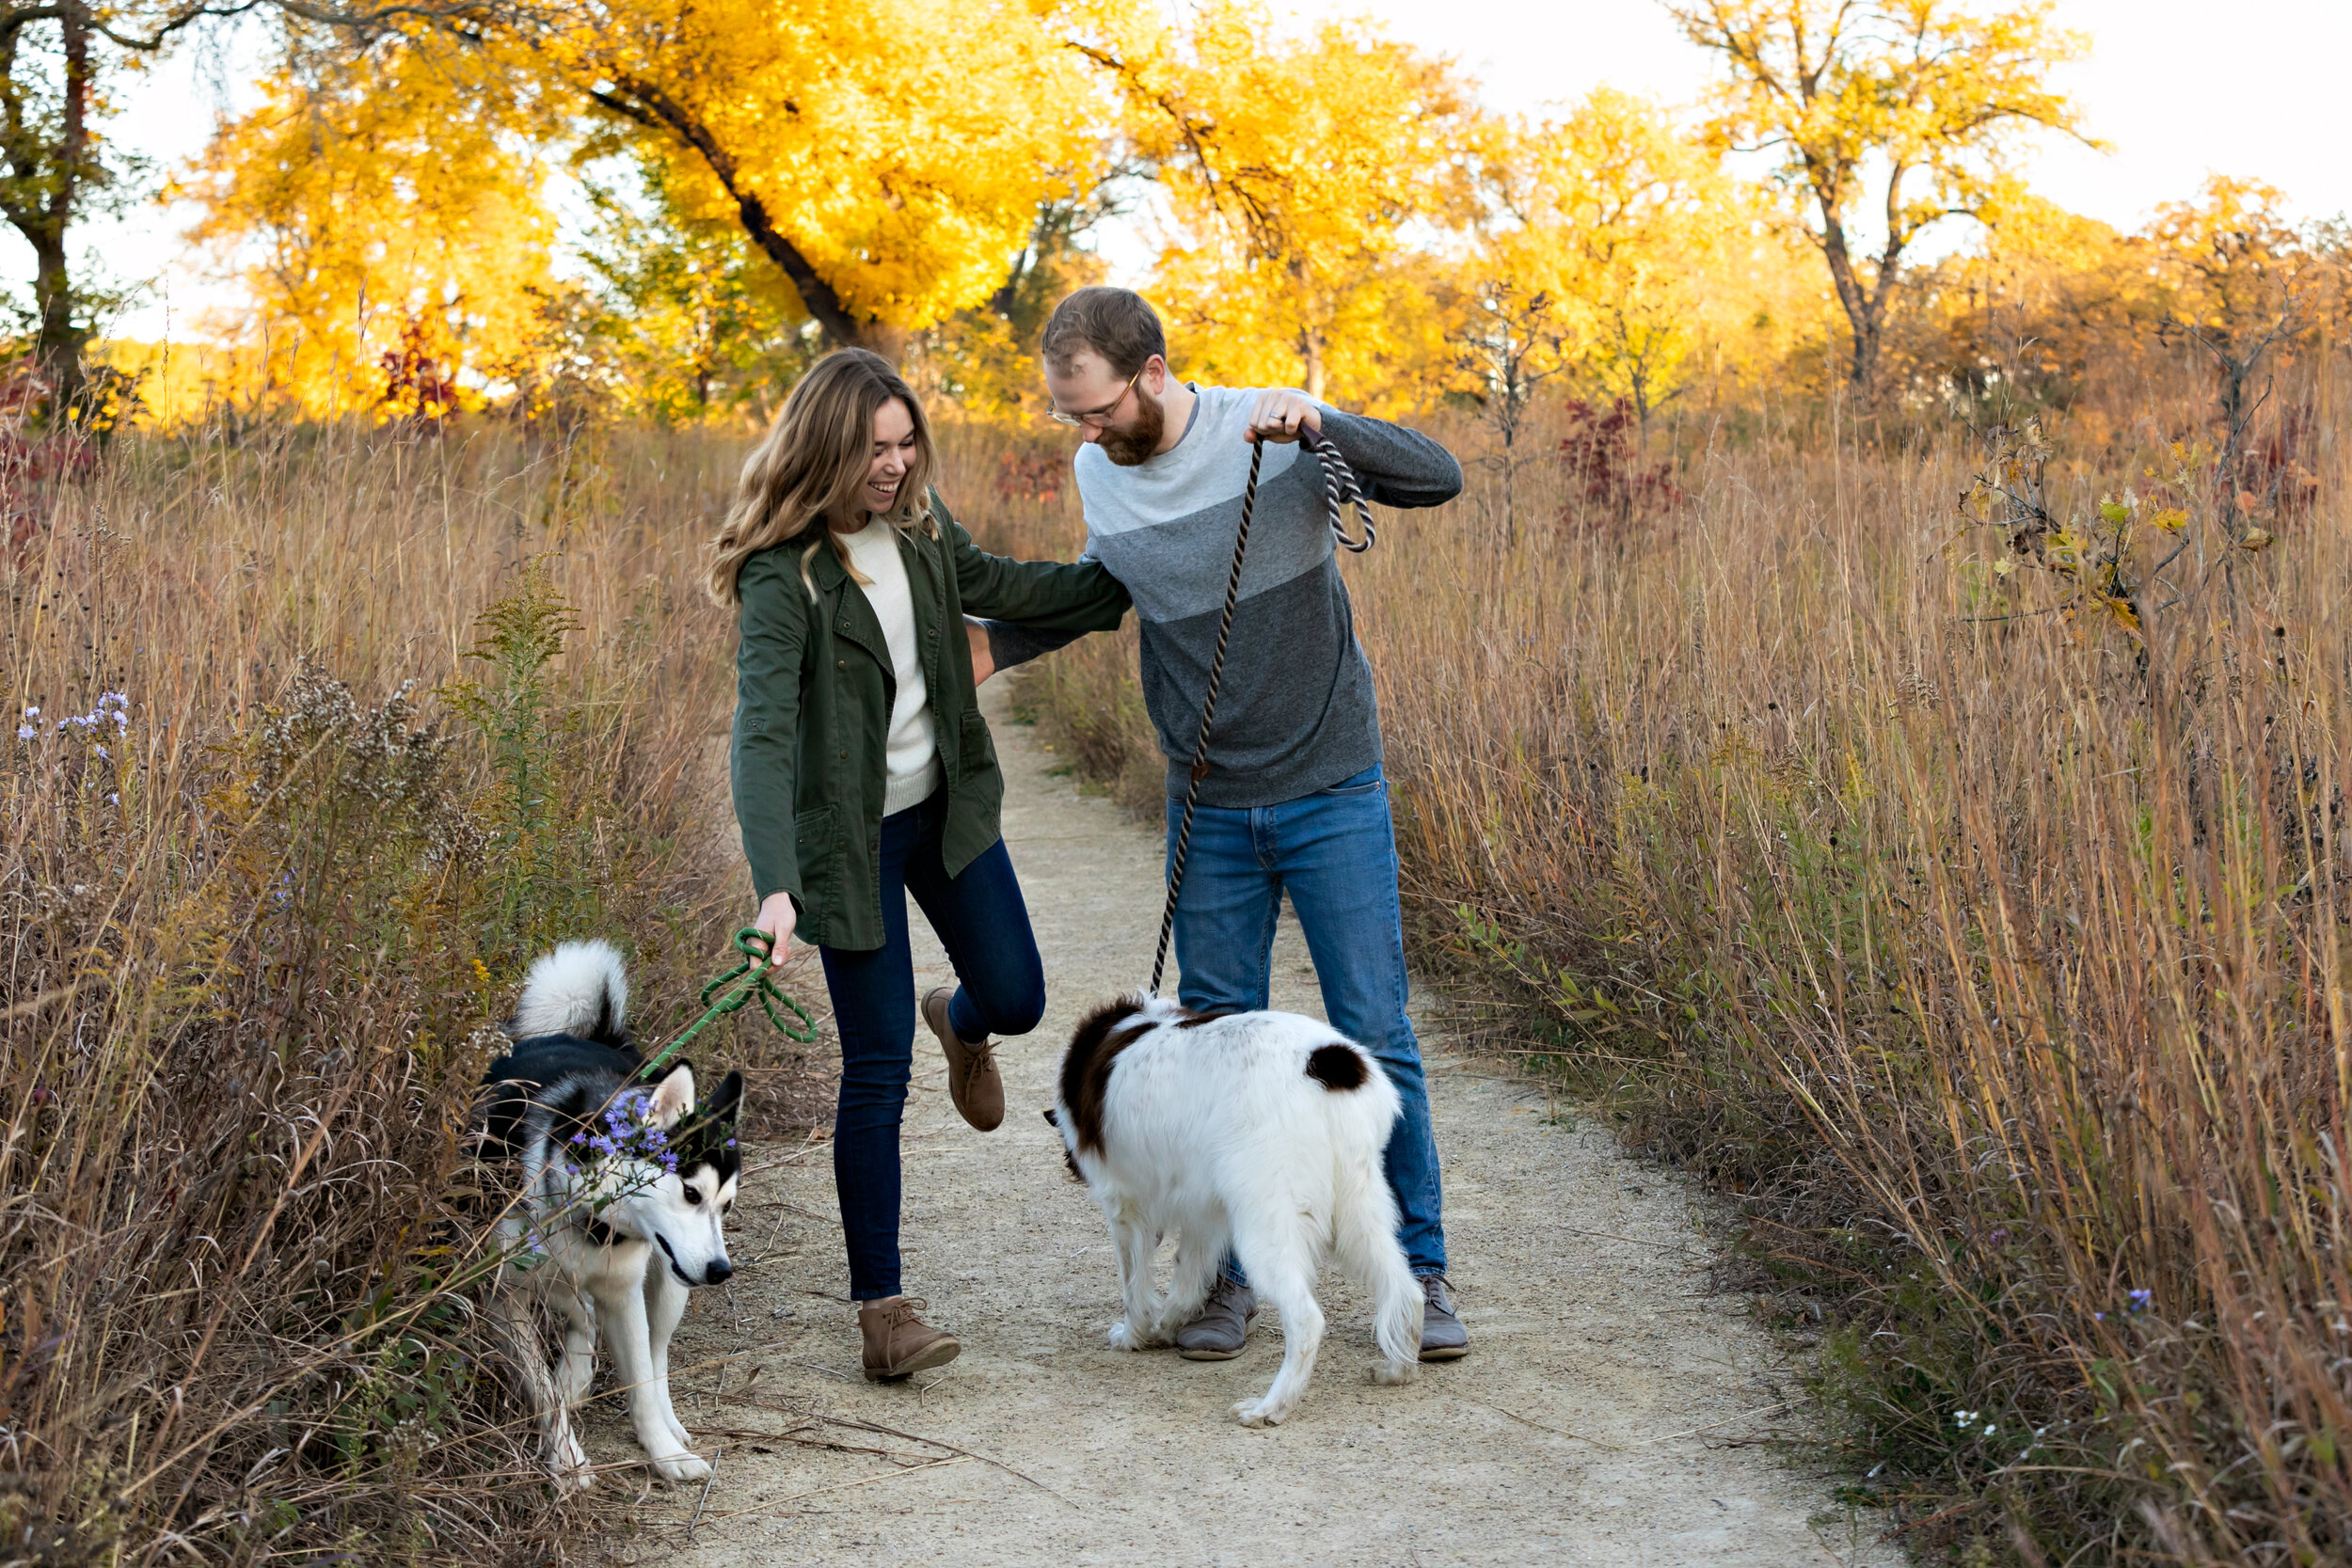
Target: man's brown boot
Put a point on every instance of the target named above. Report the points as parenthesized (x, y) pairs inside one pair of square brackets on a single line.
[(973, 1081), (898, 1342)]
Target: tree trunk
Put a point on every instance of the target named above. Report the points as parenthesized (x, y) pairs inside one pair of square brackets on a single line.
[(1863, 307), (649, 106), (884, 337), (1310, 350), (60, 343)]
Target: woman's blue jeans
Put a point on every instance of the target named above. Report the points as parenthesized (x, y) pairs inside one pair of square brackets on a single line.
[(1334, 852), (984, 927)]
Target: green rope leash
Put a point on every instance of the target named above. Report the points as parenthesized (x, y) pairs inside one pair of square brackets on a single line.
[(748, 979)]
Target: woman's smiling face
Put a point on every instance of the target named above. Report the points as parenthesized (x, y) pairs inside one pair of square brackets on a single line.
[(892, 449)]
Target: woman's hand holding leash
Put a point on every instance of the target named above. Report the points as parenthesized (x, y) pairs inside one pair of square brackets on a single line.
[(776, 918)]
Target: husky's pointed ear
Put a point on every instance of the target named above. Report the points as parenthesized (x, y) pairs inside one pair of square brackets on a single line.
[(724, 1102), (674, 1097), (708, 1136)]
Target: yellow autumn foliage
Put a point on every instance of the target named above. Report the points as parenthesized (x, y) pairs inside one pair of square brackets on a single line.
[(888, 155), (389, 219), (1661, 266), (1307, 175), (1330, 205)]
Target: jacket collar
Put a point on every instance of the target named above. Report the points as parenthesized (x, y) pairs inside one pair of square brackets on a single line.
[(824, 568), (853, 617)]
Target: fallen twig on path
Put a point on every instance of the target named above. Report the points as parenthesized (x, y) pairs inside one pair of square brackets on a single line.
[(703, 1500), (846, 1485), (915, 1437), (1556, 1431), (806, 1143), (1744, 1414), (1629, 1240)]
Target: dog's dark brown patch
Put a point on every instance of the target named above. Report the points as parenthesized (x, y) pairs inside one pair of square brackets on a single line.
[(1194, 1020), (1086, 1067), (1337, 1067)]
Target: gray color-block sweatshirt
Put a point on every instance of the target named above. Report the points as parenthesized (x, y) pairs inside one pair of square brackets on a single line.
[(1295, 712)]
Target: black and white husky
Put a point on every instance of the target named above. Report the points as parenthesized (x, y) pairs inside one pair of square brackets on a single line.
[(625, 1186), (1259, 1130)]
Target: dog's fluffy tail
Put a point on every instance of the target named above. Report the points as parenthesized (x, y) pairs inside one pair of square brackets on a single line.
[(1396, 1319), (581, 989), (1364, 1234)]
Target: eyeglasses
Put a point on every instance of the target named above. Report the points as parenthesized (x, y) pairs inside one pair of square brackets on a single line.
[(1101, 416)]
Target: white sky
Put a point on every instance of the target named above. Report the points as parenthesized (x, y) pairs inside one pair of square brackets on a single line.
[(2176, 89)]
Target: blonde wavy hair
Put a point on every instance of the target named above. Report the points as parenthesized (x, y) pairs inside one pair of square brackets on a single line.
[(811, 466)]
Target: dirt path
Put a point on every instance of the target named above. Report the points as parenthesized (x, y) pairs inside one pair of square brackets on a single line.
[(1597, 1420)]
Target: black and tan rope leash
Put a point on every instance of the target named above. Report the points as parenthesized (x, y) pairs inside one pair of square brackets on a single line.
[(1339, 489)]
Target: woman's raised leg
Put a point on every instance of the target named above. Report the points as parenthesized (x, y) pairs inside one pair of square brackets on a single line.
[(983, 923)]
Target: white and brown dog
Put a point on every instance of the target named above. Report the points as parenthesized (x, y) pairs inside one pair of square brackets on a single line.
[(1258, 1132)]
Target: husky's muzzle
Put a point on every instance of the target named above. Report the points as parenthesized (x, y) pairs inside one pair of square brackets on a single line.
[(717, 1272)]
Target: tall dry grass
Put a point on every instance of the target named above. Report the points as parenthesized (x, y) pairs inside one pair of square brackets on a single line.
[(1997, 968), (335, 730)]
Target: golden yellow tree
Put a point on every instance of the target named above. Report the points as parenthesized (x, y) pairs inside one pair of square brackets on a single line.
[(1620, 217), (2244, 281), (887, 156), (2233, 258), (1306, 175), (385, 211), (691, 322), (1910, 111)]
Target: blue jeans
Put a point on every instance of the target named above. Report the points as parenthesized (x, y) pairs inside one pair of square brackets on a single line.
[(984, 926), (1335, 853)]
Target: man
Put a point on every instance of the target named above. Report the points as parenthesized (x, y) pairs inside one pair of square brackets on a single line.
[(1294, 800)]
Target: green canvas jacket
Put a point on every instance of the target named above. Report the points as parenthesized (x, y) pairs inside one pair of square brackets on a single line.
[(813, 693)]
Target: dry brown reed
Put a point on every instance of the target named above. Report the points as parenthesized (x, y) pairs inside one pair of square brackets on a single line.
[(290, 814), (1996, 965)]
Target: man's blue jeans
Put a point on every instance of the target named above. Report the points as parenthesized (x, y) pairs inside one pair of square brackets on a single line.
[(1334, 852)]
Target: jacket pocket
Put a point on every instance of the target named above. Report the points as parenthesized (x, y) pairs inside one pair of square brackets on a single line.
[(976, 752), (815, 845)]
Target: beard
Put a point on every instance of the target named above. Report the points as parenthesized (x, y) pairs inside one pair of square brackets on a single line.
[(1138, 443)]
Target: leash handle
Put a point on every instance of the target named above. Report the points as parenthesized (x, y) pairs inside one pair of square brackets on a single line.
[(748, 979), (1340, 488)]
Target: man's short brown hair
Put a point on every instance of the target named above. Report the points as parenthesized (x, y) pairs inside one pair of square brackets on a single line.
[(1118, 325)]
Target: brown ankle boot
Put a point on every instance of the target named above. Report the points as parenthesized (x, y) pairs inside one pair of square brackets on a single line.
[(973, 1080), (898, 1342)]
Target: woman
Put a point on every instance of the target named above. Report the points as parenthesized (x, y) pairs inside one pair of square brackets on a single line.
[(864, 771)]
